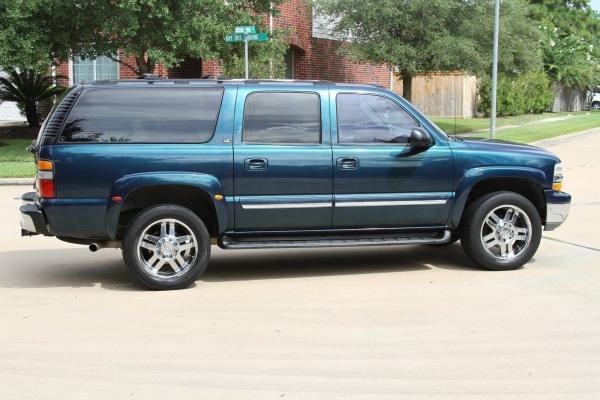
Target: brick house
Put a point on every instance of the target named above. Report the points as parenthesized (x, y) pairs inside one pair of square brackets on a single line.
[(312, 54)]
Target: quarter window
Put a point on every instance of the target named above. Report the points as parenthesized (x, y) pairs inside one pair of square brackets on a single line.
[(366, 118), (144, 115), (282, 118)]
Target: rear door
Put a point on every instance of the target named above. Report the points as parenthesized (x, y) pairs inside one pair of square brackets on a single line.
[(282, 159)]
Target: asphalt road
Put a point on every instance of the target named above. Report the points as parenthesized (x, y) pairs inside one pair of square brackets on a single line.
[(409, 322)]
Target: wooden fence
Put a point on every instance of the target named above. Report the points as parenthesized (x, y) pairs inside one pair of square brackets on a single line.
[(443, 94)]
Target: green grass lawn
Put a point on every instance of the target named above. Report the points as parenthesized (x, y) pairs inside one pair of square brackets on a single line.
[(15, 160), (462, 125), (531, 133)]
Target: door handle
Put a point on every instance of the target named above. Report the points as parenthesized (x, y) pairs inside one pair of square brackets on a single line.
[(347, 163), (255, 164)]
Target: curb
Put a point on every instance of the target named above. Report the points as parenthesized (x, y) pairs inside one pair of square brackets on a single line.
[(16, 181), (565, 138)]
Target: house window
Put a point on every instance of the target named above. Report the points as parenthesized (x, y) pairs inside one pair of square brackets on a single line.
[(101, 68), (323, 26)]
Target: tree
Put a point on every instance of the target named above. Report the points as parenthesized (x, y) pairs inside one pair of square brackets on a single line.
[(570, 43), (37, 32), (425, 36), (27, 88)]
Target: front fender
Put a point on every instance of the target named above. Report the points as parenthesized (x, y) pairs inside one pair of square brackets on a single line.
[(473, 176), (124, 186)]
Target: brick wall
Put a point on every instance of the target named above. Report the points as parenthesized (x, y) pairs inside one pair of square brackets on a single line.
[(62, 70), (314, 58)]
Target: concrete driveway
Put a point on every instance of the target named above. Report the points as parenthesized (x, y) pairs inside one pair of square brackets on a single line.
[(413, 322)]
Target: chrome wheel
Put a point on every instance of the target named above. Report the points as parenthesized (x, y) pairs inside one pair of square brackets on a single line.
[(506, 232), (167, 248)]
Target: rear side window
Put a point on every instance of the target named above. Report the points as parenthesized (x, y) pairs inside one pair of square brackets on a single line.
[(282, 118), (144, 115), (372, 119)]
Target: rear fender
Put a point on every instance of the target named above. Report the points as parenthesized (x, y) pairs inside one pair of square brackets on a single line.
[(124, 186)]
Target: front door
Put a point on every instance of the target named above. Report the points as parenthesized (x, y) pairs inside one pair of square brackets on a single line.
[(282, 156), (379, 180)]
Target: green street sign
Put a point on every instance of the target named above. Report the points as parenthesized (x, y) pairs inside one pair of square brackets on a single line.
[(245, 29), (236, 37), (252, 37), (260, 37)]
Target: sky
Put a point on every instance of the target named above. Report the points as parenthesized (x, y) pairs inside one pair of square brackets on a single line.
[(596, 5)]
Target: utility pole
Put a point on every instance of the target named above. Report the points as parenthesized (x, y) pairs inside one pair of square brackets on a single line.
[(495, 70)]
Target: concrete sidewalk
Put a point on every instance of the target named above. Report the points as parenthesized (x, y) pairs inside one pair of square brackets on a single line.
[(580, 155)]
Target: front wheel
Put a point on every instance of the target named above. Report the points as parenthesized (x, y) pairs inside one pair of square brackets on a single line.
[(501, 231), (166, 247)]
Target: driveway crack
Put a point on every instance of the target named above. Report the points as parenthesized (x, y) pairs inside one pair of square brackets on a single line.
[(571, 243)]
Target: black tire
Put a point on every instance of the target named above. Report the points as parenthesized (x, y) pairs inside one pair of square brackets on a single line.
[(471, 227), (151, 216)]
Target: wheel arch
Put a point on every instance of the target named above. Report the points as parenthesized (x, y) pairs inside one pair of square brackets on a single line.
[(191, 190), (528, 182)]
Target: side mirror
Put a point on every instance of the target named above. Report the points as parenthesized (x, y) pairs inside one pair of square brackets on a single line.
[(420, 138)]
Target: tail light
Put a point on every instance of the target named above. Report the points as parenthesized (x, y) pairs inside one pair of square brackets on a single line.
[(45, 179)]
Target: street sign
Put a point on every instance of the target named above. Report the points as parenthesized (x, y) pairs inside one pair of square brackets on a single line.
[(245, 29), (235, 37), (258, 37), (252, 37), (246, 34)]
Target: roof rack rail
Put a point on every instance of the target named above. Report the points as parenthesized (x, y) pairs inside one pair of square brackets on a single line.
[(287, 81), (150, 77)]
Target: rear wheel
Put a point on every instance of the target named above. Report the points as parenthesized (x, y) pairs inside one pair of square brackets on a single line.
[(166, 247), (596, 105), (501, 231)]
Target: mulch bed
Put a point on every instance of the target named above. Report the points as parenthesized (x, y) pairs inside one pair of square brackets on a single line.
[(18, 132)]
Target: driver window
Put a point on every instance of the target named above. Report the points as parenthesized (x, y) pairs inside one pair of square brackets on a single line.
[(372, 119)]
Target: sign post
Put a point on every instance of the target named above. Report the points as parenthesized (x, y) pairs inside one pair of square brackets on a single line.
[(246, 66), (246, 34)]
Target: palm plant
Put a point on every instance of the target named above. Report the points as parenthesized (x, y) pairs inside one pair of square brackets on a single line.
[(27, 88)]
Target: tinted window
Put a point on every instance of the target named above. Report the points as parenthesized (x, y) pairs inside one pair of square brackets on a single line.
[(144, 115), (364, 118), (278, 117)]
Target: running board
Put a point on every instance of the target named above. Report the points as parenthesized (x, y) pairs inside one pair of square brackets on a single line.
[(228, 242)]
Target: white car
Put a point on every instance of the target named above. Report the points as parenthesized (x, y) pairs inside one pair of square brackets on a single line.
[(595, 99)]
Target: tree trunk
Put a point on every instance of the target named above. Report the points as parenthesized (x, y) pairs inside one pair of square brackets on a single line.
[(31, 114), (144, 65), (407, 86)]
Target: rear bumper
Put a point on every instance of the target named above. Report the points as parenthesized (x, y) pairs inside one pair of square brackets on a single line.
[(557, 209), (33, 220)]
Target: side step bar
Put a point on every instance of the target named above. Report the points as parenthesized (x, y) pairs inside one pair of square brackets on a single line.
[(228, 242)]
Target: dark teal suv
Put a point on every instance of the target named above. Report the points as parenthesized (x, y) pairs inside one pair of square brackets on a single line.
[(165, 168)]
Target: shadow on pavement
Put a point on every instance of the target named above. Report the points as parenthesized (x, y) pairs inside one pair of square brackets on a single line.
[(80, 268)]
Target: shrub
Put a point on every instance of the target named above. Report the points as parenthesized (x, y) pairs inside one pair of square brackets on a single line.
[(528, 93), (28, 88)]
